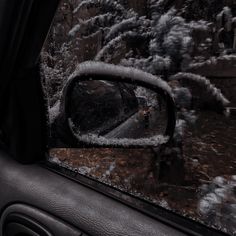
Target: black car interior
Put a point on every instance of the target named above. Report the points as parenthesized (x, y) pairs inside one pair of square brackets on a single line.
[(34, 200)]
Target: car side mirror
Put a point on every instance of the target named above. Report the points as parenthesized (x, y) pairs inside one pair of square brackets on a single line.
[(113, 106)]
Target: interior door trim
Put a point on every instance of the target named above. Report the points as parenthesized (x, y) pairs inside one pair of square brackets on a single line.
[(77, 205), (35, 220)]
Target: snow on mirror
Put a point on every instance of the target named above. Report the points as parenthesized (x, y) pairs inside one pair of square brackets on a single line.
[(110, 113)]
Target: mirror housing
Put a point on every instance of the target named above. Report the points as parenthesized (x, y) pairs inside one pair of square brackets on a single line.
[(99, 71)]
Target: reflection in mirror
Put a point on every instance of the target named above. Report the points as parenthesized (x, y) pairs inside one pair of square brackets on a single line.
[(113, 113)]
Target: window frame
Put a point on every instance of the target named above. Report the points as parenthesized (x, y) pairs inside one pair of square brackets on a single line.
[(168, 217)]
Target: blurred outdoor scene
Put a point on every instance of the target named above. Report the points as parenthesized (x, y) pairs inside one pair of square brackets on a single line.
[(191, 45)]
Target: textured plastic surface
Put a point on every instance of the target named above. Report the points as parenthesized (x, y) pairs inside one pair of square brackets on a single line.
[(81, 207)]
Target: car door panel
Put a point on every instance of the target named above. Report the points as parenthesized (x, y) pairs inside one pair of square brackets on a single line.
[(81, 207), (25, 218)]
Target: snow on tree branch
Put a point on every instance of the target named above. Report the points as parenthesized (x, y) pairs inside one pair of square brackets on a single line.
[(92, 24), (103, 5), (75, 30), (107, 51), (112, 18), (216, 93), (126, 24)]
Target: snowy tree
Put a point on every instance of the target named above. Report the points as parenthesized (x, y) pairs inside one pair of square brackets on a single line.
[(163, 40), (120, 27)]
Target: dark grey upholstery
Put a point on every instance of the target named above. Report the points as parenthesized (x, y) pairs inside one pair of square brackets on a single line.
[(83, 208)]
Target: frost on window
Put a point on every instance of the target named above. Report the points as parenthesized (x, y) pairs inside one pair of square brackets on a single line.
[(189, 49)]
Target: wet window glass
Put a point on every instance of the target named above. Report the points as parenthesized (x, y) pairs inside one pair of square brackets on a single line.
[(171, 139)]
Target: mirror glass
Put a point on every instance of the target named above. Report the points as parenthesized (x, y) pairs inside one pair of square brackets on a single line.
[(113, 113)]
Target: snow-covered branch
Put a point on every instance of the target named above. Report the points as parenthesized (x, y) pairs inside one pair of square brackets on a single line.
[(119, 28), (104, 6), (205, 83), (91, 25), (107, 51)]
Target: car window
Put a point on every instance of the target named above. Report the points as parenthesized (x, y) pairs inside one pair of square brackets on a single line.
[(191, 45)]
